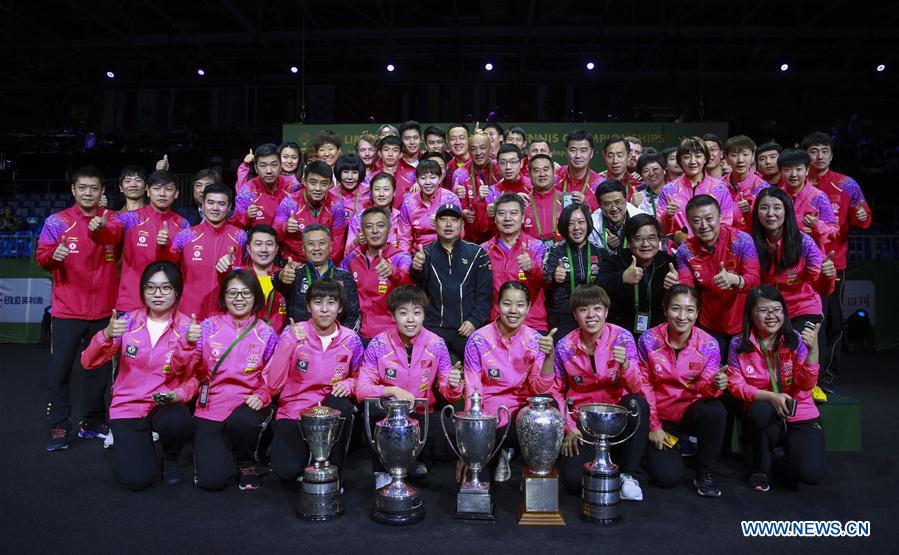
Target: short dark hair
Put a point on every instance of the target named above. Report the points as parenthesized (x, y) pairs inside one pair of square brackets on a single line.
[(517, 131), (540, 157), (380, 176), (248, 278), (375, 210), (499, 128), (349, 162), (649, 158), (701, 200), (610, 186), (455, 125), (208, 173), (128, 171), (389, 140), (693, 145), (219, 188), (681, 289), (588, 294), (738, 142), (507, 148), (510, 197), (565, 219), (406, 294), (266, 149), (320, 169), (766, 147), (171, 271), (435, 130), (326, 288), (317, 227), (635, 222), (428, 166), (668, 151), (261, 228), (713, 138), (793, 157), (327, 137), (578, 135), (616, 139), (411, 124), (161, 177), (513, 284), (815, 139), (89, 172)]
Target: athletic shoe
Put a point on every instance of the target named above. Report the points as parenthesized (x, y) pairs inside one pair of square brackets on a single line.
[(171, 473), (503, 471), (382, 479), (705, 485), (759, 482), (59, 439), (249, 479), (92, 431), (818, 395), (630, 488), (109, 442)]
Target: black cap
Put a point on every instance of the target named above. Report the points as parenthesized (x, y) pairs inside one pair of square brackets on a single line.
[(449, 209)]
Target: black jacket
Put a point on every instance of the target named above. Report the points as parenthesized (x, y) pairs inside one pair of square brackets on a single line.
[(558, 295), (460, 284), (295, 295), (623, 312)]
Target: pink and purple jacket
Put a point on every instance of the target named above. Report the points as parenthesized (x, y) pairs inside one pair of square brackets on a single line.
[(305, 373), (330, 214), (137, 230), (803, 284), (582, 383), (680, 191), (813, 202), (85, 283), (354, 230), (470, 179), (404, 177), (673, 380), (256, 193), (241, 373), (386, 363), (144, 368), (274, 309), (845, 197), (416, 227), (586, 185), (355, 201), (374, 290), (748, 373), (747, 190), (541, 215), (199, 249), (505, 372), (697, 266), (504, 260)]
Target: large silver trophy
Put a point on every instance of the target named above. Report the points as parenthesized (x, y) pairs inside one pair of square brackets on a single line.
[(602, 482), (397, 440), (320, 497), (475, 436), (541, 429)]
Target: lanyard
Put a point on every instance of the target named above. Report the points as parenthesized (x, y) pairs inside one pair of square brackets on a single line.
[(310, 208), (588, 275), (648, 290), (537, 215), (269, 303), (330, 273), (771, 366), (474, 183), (606, 242), (586, 182), (234, 344)]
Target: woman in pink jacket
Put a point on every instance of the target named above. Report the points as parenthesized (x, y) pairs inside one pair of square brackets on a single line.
[(315, 362), (403, 363), (227, 354), (681, 365), (773, 369), (597, 363), (507, 362), (149, 393)]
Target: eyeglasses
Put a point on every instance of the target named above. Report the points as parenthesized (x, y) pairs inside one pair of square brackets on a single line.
[(648, 239), (613, 203), (242, 293), (774, 311), (153, 289)]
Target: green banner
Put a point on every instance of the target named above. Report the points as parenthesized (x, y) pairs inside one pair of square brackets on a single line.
[(657, 135), (18, 269)]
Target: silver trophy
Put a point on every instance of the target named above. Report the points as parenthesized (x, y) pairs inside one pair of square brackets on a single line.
[(398, 440), (475, 435), (602, 482), (320, 497), (541, 429)]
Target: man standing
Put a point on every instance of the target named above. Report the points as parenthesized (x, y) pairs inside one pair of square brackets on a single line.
[(472, 183), (257, 201), (262, 246), (609, 220), (314, 204), (742, 183), (541, 216), (616, 153), (435, 139), (766, 162), (814, 212), (410, 134), (577, 181), (715, 168), (204, 178)]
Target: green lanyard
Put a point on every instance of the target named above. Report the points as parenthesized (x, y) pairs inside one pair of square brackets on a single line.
[(648, 290), (771, 366), (474, 183), (330, 273), (269, 303), (571, 263), (586, 182), (537, 215), (226, 353), (606, 241)]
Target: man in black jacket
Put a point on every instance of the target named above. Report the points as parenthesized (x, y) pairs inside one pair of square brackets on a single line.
[(294, 279), (457, 276)]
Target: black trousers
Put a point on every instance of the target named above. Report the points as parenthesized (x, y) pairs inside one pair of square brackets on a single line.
[(703, 419), (134, 456), (435, 442), (218, 445), (290, 452), (833, 326), (798, 323), (627, 455), (68, 339), (803, 442), (564, 321), (455, 343)]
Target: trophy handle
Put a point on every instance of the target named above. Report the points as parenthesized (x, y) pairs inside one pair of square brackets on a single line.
[(367, 422), (424, 436), (505, 435), (300, 426), (635, 414), (445, 433)]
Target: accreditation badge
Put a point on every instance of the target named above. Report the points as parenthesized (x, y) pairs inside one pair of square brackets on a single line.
[(641, 322)]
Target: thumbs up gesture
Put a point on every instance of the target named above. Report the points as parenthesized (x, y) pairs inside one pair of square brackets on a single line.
[(62, 250), (619, 353), (248, 159), (861, 214), (163, 164), (97, 222), (293, 225), (525, 264), (253, 211), (225, 262), (193, 330), (561, 273), (612, 241), (418, 261), (459, 189), (162, 238), (671, 277), (827, 267), (116, 327), (384, 268), (547, 343), (633, 274), (720, 378), (671, 209), (455, 375), (288, 273), (483, 190), (810, 219), (725, 279), (744, 205), (298, 331), (637, 198)]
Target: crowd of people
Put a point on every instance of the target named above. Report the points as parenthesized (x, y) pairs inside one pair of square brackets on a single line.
[(700, 284)]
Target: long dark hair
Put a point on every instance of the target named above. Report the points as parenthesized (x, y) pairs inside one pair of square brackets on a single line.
[(791, 239), (785, 334), (565, 219)]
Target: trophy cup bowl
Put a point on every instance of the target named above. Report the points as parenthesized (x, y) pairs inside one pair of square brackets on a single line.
[(541, 429), (320, 497)]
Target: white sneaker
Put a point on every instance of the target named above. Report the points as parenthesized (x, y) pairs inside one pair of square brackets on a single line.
[(108, 441), (630, 488), (382, 479)]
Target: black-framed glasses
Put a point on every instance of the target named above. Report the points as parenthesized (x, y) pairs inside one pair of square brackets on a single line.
[(153, 289), (242, 293)]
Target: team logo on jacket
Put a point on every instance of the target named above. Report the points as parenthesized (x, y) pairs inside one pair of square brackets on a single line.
[(390, 373), (750, 370), (131, 351), (578, 380), (302, 365), (253, 361), (493, 373), (788, 372)]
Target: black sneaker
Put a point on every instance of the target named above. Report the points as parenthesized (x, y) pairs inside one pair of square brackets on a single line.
[(759, 482), (171, 473), (249, 479), (59, 439), (92, 431), (705, 485)]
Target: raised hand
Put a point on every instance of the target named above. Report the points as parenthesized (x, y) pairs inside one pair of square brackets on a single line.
[(253, 211), (613, 241), (619, 353), (861, 214), (116, 327), (560, 273), (299, 332), (744, 205), (293, 226), (62, 249), (633, 274), (98, 222), (288, 273), (483, 191), (162, 238), (720, 378), (671, 277), (163, 164), (671, 209), (547, 344), (577, 196), (225, 262), (525, 264), (248, 159), (455, 375), (418, 261), (725, 279), (384, 268), (827, 266), (637, 198), (193, 330)]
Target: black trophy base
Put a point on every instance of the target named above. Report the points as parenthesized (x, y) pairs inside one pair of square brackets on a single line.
[(474, 505), (320, 497), (413, 516), (601, 496), (601, 521), (397, 511)]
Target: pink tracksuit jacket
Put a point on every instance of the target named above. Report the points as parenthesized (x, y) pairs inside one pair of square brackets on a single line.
[(374, 290), (803, 284), (681, 190), (416, 227), (504, 261), (747, 190)]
